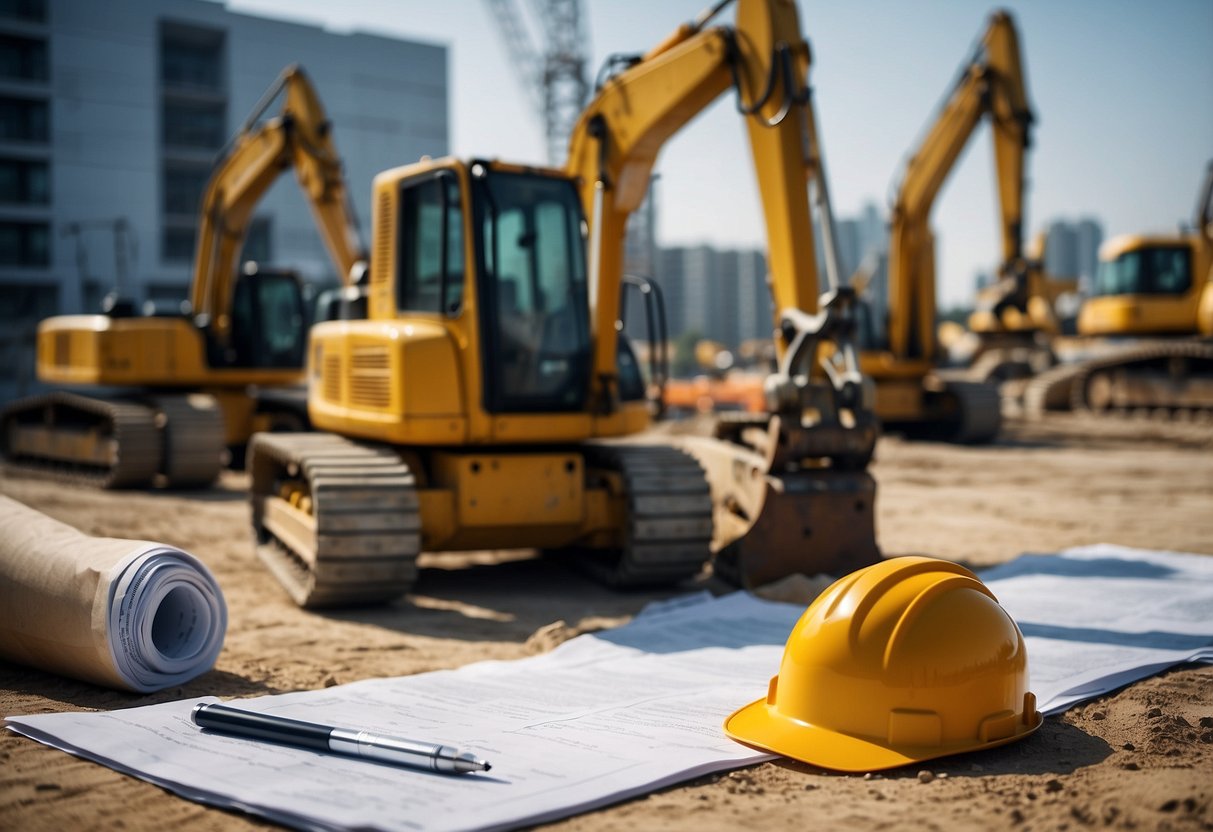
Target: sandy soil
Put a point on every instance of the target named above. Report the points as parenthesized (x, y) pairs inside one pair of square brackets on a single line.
[(1139, 759)]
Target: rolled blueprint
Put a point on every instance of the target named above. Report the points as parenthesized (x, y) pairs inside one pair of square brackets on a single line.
[(126, 614)]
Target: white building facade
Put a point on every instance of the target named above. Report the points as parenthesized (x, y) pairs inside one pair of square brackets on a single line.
[(112, 115)]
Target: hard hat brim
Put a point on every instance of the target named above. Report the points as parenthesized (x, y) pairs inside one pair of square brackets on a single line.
[(760, 726)]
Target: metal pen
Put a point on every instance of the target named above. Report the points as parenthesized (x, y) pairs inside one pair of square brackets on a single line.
[(431, 756)]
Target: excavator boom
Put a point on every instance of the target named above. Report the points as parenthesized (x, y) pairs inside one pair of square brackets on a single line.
[(613, 148), (991, 83), (903, 355), (616, 141), (300, 138)]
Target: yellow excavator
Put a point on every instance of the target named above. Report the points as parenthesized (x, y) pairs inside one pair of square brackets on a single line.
[(911, 397), (487, 399), (1147, 328), (191, 385)]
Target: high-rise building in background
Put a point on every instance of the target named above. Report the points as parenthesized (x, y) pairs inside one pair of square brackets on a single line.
[(723, 294), (755, 308), (1072, 249), (863, 243), (719, 293), (1090, 238), (112, 115)]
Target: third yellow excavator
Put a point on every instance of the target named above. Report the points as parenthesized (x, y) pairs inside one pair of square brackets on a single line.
[(1146, 332)]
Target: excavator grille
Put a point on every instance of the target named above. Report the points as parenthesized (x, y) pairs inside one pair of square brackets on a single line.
[(369, 372), (332, 378), (63, 349), (382, 261)]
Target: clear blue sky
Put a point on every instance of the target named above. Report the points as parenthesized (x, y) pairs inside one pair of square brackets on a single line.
[(1123, 92)]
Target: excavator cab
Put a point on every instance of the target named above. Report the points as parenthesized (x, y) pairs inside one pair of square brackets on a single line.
[(1149, 270), (268, 321), (1143, 286), (529, 242)]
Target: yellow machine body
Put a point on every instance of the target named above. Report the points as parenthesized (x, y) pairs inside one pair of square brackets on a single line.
[(1145, 340), (241, 333), (1151, 285), (485, 398), (99, 350), (416, 377), (996, 316)]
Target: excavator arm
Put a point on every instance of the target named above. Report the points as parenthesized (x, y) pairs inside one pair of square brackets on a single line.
[(792, 472), (616, 141), (991, 84), (299, 138)]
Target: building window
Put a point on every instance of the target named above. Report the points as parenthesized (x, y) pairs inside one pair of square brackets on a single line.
[(184, 186), (22, 306), (24, 120), (25, 244), (194, 125), (177, 244), (191, 57), (24, 181), (31, 10), (23, 58)]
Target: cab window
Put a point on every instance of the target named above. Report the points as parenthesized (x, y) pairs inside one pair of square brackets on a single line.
[(431, 268)]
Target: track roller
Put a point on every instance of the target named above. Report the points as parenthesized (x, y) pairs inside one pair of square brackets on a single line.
[(99, 442), (336, 521), (668, 530), (194, 437)]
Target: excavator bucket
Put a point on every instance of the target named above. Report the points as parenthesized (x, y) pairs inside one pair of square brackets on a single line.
[(790, 488), (770, 524)]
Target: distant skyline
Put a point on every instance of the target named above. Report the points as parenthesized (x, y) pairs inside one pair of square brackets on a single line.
[(1121, 90)]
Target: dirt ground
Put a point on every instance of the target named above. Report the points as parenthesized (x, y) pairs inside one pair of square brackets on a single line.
[(1141, 758)]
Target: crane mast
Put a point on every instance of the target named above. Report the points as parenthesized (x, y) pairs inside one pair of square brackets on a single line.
[(556, 77)]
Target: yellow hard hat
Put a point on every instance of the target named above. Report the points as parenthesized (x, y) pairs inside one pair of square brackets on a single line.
[(903, 661)]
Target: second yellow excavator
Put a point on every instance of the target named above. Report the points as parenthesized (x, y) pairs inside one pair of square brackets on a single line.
[(194, 384), (487, 400), (911, 396)]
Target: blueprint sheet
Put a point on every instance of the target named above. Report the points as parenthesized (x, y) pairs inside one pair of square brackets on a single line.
[(621, 713)]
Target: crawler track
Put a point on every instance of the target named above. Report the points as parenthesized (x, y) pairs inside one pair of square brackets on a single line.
[(669, 516), (979, 409), (117, 443), (194, 436), (1166, 377), (964, 412), (336, 521), (99, 442)]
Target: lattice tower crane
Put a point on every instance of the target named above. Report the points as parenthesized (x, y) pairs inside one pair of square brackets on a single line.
[(556, 79)]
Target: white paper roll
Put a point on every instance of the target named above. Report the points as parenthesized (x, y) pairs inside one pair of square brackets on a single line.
[(127, 614)]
